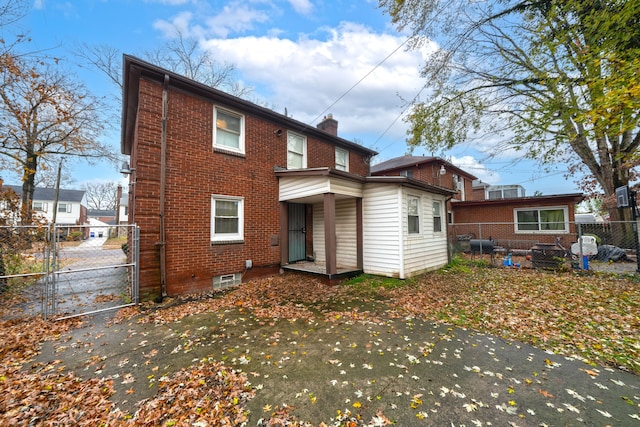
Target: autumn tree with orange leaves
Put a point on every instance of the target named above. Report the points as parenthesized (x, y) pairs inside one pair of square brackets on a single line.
[(44, 115)]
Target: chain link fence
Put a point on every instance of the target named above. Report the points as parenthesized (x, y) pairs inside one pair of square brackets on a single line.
[(63, 271), (610, 246)]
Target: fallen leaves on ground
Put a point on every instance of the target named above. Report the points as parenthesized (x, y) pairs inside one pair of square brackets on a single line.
[(593, 316)]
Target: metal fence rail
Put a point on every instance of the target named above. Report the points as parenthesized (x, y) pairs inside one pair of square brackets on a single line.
[(64, 271)]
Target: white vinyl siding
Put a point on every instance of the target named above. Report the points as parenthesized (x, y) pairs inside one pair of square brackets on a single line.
[(428, 250), (346, 237), (292, 188), (382, 230), (318, 234), (389, 248)]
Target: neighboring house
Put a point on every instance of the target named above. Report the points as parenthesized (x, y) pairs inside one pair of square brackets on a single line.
[(519, 222), (223, 190), (484, 191), (523, 221), (110, 216), (107, 216), (71, 208), (433, 170)]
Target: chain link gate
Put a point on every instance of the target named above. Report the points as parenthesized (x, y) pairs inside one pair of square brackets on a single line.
[(91, 270)]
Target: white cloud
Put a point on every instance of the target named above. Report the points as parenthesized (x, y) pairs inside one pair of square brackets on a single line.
[(302, 7), (308, 75), (235, 17), (471, 165)]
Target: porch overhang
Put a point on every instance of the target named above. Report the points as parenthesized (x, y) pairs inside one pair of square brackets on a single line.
[(322, 186), (310, 185)]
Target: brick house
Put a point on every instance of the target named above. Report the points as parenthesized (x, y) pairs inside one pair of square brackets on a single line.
[(519, 222), (224, 190), (508, 217)]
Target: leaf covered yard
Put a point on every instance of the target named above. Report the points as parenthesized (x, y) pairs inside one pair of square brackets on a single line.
[(289, 350)]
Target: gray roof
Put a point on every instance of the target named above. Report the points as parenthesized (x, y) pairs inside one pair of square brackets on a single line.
[(94, 213), (406, 161), (50, 194)]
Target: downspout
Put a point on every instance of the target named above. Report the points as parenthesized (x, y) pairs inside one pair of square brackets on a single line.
[(163, 185)]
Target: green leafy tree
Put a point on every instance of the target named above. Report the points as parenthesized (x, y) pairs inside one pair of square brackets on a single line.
[(555, 79)]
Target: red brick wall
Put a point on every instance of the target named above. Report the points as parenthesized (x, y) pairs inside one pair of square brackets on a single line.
[(503, 214), (194, 172)]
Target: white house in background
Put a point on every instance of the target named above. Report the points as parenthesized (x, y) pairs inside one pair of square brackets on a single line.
[(124, 209), (72, 206)]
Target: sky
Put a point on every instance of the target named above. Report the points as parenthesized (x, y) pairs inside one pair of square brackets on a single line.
[(310, 57)]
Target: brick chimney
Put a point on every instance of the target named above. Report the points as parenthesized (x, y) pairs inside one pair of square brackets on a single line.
[(329, 125)]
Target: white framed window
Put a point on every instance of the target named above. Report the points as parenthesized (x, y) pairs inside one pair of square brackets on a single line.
[(413, 214), (342, 159), (408, 173), (229, 131), (550, 220), (39, 206), (437, 216), (296, 151), (227, 218), (64, 207)]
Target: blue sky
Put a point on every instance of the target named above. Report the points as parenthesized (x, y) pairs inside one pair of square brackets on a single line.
[(302, 55)]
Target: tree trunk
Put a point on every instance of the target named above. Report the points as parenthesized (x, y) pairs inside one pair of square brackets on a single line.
[(28, 188)]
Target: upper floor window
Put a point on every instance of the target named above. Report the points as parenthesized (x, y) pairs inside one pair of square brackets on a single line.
[(229, 132), (227, 218), (39, 206), (296, 151), (342, 159), (437, 217), (64, 207), (408, 173), (541, 220), (413, 214)]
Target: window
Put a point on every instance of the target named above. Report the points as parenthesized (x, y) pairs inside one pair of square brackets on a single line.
[(437, 217), (510, 193), (229, 134), (39, 206), (407, 173), (541, 220), (495, 194), (64, 207), (413, 214), (296, 151), (342, 159), (227, 219)]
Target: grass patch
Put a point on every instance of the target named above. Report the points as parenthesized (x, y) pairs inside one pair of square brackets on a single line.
[(365, 282)]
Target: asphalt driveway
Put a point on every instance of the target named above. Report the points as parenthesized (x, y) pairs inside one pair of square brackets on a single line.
[(355, 360)]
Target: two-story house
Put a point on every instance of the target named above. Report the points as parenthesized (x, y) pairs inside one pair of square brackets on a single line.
[(71, 209), (223, 189)]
